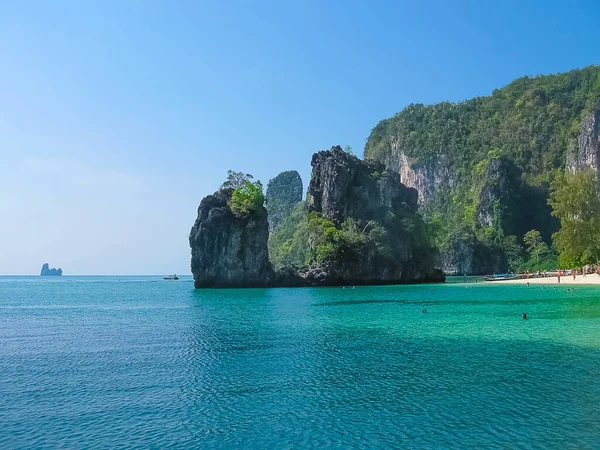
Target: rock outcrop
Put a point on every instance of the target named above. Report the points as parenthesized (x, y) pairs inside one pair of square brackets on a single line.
[(537, 124), (425, 178), (358, 226), (467, 255), (389, 248), (587, 153), (343, 186), (499, 198), (47, 271), (229, 250), (283, 192)]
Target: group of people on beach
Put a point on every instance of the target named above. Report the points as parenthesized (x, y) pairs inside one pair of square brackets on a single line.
[(563, 272)]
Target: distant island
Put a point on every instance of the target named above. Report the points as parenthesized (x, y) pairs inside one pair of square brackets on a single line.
[(48, 272)]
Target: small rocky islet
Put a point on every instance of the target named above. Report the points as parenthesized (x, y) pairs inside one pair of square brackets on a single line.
[(47, 271)]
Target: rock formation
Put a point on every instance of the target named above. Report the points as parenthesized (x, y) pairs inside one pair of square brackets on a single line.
[(283, 192), (535, 124), (425, 178), (47, 271), (358, 226), (229, 250), (587, 154), (343, 186), (382, 211)]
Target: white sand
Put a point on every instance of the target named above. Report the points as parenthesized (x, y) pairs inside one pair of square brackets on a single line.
[(591, 279)]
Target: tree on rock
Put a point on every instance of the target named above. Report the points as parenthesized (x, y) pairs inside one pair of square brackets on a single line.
[(236, 180), (247, 198)]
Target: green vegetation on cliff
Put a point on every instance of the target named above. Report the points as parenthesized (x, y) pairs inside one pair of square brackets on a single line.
[(359, 225), (283, 192), (532, 119), (483, 167), (306, 237), (247, 198), (288, 243)]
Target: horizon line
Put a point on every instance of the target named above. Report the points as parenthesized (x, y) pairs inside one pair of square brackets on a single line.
[(91, 275)]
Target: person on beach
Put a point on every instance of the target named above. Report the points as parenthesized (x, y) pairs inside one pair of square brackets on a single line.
[(558, 277), (574, 274)]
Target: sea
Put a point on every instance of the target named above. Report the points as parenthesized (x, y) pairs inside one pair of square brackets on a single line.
[(140, 362)]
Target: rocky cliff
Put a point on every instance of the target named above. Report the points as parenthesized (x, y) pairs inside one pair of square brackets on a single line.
[(536, 125), (378, 238), (359, 225), (47, 271), (343, 186), (229, 250), (283, 192), (587, 151), (425, 178)]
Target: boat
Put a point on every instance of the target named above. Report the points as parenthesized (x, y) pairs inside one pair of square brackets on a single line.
[(501, 277), (171, 277)]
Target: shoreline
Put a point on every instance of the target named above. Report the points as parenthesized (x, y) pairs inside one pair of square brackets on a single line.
[(588, 280)]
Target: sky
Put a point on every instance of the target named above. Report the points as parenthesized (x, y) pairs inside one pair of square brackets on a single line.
[(118, 117)]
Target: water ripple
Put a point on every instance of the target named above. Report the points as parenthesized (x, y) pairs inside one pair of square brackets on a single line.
[(122, 365)]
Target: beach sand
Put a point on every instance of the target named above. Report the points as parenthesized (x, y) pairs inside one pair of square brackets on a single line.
[(590, 279)]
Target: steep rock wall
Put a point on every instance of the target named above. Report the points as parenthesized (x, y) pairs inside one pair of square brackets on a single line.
[(227, 250), (343, 187), (587, 154), (283, 192)]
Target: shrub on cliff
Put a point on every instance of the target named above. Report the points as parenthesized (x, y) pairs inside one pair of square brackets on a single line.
[(247, 198)]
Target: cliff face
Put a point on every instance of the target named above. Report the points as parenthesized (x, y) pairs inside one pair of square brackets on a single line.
[(358, 226), (537, 125), (382, 243), (283, 192), (426, 179), (227, 250), (47, 271), (587, 154), (343, 186), (466, 255)]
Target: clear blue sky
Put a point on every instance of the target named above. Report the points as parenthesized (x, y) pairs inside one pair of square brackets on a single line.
[(117, 117)]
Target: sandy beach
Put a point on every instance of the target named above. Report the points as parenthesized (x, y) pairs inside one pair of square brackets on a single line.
[(591, 279)]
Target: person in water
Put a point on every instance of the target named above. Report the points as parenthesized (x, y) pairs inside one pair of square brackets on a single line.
[(524, 316), (424, 310)]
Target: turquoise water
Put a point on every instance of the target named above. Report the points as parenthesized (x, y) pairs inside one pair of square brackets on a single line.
[(108, 362)]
